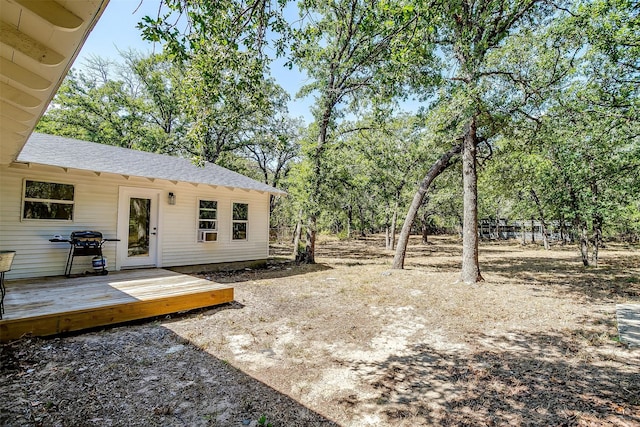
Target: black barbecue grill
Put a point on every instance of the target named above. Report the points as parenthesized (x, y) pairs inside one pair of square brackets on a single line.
[(86, 243)]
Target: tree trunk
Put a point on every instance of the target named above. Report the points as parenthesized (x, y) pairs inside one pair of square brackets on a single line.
[(524, 233), (372, 229), (533, 231), (470, 266), (579, 227), (425, 228), (436, 169), (543, 223), (387, 231), (387, 238), (309, 254), (394, 222), (584, 244), (297, 234), (363, 223), (425, 234), (597, 238), (328, 102), (545, 238), (272, 203), (597, 217)]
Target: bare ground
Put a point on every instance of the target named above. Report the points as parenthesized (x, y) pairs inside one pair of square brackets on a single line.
[(349, 342)]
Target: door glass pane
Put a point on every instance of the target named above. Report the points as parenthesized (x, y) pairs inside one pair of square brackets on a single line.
[(139, 215)]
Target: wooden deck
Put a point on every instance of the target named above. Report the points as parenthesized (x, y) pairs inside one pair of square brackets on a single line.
[(49, 306)]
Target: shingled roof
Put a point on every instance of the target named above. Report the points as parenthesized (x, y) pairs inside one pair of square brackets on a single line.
[(72, 153)]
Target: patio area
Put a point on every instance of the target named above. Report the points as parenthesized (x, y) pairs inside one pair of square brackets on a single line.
[(53, 305)]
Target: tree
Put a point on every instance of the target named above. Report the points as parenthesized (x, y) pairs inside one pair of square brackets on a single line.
[(160, 89), (227, 117), (586, 134), (273, 148), (132, 104), (592, 161), (436, 169), (222, 46), (394, 151), (468, 32), (92, 105), (145, 103), (345, 46), (443, 130), (576, 139)]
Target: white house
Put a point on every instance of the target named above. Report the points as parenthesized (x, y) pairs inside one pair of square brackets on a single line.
[(164, 210)]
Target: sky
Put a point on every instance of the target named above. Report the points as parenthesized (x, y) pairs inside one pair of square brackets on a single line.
[(116, 31)]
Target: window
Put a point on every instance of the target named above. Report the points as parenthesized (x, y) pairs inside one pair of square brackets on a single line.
[(207, 221), (48, 200), (240, 221)]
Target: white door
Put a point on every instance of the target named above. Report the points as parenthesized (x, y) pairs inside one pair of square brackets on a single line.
[(138, 227)]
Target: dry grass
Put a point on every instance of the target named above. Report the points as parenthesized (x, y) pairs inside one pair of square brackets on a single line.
[(349, 341)]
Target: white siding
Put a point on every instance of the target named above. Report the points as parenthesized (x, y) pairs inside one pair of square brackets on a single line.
[(179, 235), (96, 204)]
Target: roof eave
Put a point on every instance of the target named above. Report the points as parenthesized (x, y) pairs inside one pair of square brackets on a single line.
[(41, 47)]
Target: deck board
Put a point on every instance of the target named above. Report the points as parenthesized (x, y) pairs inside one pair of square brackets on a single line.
[(53, 305)]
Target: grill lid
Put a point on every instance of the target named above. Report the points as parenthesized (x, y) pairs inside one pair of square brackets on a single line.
[(86, 235)]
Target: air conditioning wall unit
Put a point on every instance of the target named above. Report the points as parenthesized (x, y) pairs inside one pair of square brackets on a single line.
[(208, 236)]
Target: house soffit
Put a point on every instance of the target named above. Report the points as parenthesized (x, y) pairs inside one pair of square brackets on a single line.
[(39, 40)]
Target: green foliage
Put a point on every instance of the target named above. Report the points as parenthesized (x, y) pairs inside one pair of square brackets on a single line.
[(262, 421), (351, 51), (552, 88), (612, 28), (369, 173), (152, 104), (576, 142), (130, 105), (274, 146), (227, 96)]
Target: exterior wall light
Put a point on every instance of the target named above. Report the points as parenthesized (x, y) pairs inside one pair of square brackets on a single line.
[(172, 198)]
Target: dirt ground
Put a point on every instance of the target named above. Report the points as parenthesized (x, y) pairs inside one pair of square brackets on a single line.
[(350, 342)]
